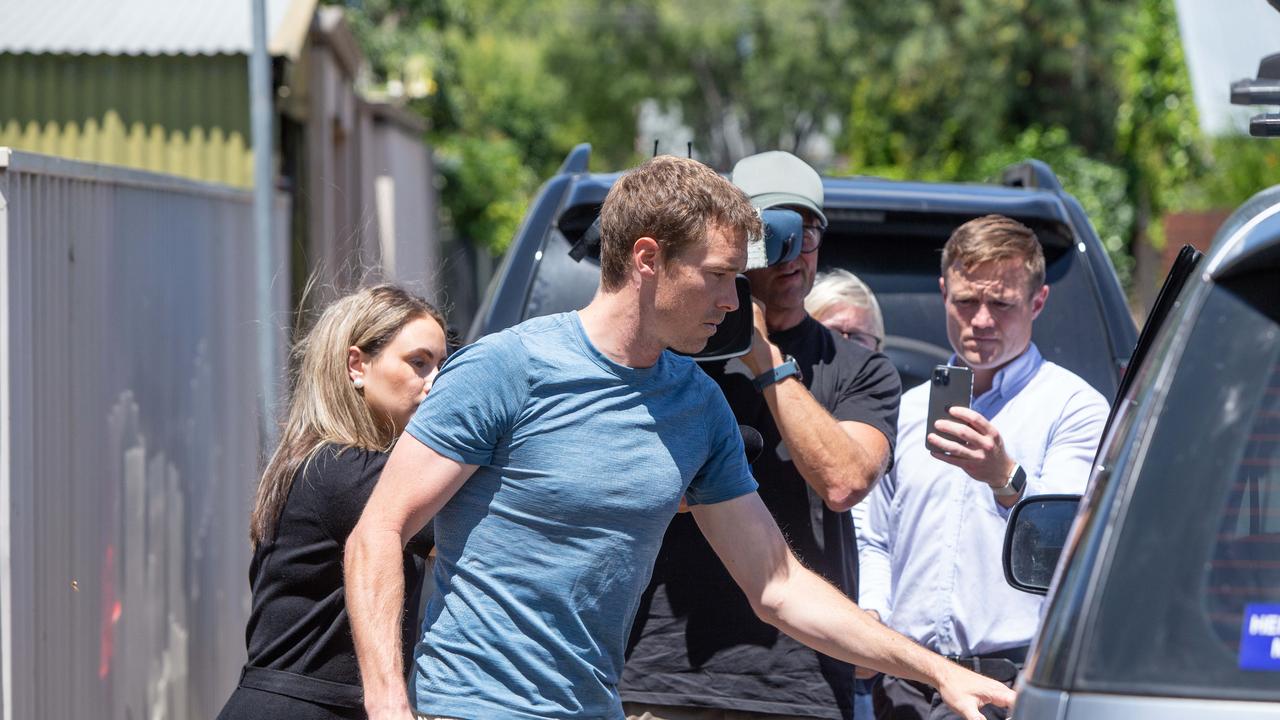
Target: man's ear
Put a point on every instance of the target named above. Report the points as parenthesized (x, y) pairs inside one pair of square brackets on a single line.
[(1038, 301), (646, 256), (942, 286)]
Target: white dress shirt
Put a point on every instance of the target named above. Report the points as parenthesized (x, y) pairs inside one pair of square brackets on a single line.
[(930, 548)]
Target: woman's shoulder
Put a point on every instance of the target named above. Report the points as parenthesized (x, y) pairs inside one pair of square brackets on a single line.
[(337, 468), (334, 485)]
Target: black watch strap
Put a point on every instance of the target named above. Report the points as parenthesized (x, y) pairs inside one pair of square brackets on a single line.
[(788, 368)]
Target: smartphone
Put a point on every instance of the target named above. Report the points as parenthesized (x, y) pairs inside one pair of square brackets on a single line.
[(949, 386)]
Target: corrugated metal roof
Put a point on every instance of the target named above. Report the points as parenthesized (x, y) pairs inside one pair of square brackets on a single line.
[(148, 27)]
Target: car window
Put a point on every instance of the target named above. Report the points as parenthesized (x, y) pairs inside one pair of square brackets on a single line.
[(901, 267), (1057, 644), (1196, 565), (560, 283)]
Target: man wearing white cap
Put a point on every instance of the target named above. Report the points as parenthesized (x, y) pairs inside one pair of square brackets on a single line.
[(826, 408)]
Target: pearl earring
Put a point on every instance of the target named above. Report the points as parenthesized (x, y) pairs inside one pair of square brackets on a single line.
[(358, 383)]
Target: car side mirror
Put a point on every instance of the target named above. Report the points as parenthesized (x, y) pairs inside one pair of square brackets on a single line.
[(1033, 541)]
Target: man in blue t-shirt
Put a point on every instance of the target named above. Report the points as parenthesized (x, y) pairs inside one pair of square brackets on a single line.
[(553, 456)]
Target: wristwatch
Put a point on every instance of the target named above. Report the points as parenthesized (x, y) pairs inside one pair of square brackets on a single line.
[(788, 368), (1014, 485)]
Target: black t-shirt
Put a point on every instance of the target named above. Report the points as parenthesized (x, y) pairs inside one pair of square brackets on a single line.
[(299, 623), (695, 641)]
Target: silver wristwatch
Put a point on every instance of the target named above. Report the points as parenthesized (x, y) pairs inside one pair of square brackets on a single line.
[(1014, 485)]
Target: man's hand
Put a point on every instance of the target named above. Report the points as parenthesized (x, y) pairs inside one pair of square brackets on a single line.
[(763, 355), (965, 692), (980, 452)]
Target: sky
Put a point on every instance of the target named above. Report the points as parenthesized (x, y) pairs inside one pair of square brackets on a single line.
[(1224, 40)]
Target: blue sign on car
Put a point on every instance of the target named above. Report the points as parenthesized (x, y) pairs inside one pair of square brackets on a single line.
[(1260, 638)]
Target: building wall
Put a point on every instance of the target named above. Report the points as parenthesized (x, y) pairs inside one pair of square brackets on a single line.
[(129, 438), (399, 179), (181, 115)]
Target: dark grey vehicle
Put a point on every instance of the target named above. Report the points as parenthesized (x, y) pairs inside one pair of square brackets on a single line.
[(891, 234), (1167, 602), (1167, 599)]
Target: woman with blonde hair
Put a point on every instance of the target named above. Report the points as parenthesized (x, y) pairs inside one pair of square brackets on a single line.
[(362, 371)]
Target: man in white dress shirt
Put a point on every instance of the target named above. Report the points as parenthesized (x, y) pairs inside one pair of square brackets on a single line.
[(930, 556)]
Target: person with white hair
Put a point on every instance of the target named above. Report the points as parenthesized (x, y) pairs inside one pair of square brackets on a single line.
[(843, 302)]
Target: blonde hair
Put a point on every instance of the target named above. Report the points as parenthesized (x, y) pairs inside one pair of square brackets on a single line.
[(841, 287), (324, 406), (992, 238)]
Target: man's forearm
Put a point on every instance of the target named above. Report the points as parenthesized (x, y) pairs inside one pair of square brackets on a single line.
[(835, 465), (815, 613), (374, 579)]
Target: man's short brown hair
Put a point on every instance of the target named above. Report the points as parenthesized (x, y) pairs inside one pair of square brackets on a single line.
[(672, 200), (992, 238)]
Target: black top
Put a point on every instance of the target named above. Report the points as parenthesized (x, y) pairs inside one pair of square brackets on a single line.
[(696, 641), (299, 624)]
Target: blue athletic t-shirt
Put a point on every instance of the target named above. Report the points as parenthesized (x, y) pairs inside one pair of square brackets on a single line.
[(544, 551)]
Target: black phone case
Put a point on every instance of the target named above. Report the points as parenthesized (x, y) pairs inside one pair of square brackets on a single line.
[(949, 386)]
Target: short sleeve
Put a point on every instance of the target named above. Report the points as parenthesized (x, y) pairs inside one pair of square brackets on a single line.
[(475, 400), (869, 394), (726, 474), (337, 483)]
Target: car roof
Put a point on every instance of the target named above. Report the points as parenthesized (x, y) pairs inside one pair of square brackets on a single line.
[(949, 198), (854, 193), (1250, 235)]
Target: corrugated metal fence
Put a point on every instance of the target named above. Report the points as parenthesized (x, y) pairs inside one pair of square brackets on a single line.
[(129, 439)]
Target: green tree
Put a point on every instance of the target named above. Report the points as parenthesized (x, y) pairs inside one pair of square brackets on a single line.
[(1101, 188), (476, 70), (927, 89), (744, 75), (1238, 166), (1158, 132), (954, 80)]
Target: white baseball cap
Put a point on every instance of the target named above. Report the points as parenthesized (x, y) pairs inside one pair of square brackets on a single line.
[(776, 178)]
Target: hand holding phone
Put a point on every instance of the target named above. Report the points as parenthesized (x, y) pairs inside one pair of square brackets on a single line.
[(949, 386)]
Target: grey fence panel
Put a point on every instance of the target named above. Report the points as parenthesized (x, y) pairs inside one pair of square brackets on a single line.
[(129, 438)]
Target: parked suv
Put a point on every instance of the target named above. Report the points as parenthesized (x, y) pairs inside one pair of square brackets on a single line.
[(1167, 604), (890, 234)]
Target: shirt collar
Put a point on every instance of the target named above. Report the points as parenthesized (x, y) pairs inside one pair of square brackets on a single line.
[(1008, 382)]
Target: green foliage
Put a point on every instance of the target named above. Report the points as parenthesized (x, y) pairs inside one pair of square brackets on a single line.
[(1158, 131), (476, 70), (486, 186), (963, 78), (924, 89), (745, 75), (1239, 166)]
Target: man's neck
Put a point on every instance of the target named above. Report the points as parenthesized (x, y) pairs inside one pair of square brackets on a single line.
[(614, 325), (780, 320), (984, 380)]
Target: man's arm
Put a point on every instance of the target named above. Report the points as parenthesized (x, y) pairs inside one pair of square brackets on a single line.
[(800, 603), (1068, 460), (875, 550), (416, 482), (840, 460)]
